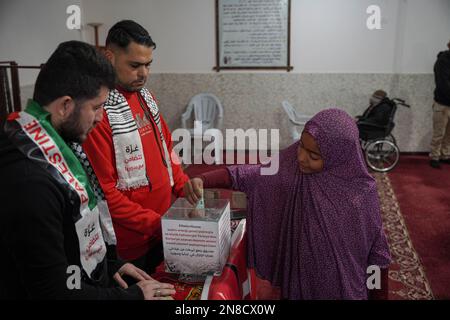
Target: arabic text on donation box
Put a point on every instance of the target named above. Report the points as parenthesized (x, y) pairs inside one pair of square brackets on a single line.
[(196, 240)]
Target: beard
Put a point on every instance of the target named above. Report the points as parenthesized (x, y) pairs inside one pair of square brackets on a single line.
[(133, 87), (71, 130)]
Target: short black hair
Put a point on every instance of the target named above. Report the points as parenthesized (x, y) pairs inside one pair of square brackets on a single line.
[(75, 69), (125, 31)]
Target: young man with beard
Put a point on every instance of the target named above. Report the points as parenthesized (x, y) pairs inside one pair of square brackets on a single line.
[(131, 150), (56, 237)]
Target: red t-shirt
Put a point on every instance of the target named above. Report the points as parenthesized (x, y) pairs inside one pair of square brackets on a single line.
[(136, 213)]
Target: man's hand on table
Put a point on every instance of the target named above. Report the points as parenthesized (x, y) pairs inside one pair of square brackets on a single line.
[(151, 288), (132, 271), (154, 290)]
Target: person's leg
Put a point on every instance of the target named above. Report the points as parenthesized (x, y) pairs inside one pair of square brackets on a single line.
[(364, 132), (445, 149), (439, 126)]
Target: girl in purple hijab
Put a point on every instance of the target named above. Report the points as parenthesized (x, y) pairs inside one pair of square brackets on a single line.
[(314, 227)]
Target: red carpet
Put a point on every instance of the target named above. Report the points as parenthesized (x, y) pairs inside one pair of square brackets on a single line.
[(423, 194), (407, 278)]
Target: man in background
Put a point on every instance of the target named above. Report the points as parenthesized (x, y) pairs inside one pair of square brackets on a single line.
[(440, 142)]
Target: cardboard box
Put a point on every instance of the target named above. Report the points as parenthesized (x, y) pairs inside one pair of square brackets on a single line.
[(196, 241)]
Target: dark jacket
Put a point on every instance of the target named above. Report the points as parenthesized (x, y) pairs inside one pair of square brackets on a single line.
[(38, 240), (378, 114), (442, 78)]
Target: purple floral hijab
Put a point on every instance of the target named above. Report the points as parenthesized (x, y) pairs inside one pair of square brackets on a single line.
[(314, 235)]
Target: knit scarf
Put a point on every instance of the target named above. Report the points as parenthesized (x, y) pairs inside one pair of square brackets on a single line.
[(129, 154), (32, 133)]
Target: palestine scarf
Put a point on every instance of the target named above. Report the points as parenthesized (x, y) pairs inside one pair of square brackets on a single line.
[(129, 154), (32, 133)]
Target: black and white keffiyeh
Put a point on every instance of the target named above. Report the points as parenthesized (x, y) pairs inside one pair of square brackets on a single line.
[(129, 153)]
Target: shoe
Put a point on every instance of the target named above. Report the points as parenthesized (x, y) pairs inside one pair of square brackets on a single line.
[(435, 164), (447, 161)]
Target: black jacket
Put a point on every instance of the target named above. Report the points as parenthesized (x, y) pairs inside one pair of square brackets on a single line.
[(38, 240), (378, 114), (442, 78)]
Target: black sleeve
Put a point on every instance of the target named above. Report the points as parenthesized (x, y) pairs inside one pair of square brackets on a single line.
[(35, 238), (114, 262), (442, 76)]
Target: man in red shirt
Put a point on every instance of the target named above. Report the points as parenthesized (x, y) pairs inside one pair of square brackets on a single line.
[(131, 150)]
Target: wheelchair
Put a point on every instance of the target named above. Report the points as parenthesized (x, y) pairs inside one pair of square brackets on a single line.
[(377, 142)]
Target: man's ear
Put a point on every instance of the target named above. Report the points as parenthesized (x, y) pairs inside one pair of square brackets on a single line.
[(109, 54), (64, 106)]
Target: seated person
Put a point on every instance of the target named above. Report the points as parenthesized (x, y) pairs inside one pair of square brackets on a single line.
[(376, 117)]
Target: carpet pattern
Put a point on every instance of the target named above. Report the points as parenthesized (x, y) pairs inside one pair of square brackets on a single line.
[(407, 279)]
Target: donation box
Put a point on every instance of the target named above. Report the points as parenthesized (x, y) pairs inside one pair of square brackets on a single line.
[(196, 240)]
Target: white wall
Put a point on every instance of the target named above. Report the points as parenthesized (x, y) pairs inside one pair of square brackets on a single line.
[(183, 30), (330, 36), (337, 60), (327, 36), (426, 32), (31, 30)]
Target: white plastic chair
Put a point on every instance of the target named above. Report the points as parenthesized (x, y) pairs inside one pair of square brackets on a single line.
[(208, 112), (297, 120), (207, 109)]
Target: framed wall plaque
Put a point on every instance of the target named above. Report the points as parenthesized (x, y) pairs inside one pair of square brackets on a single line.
[(253, 34)]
